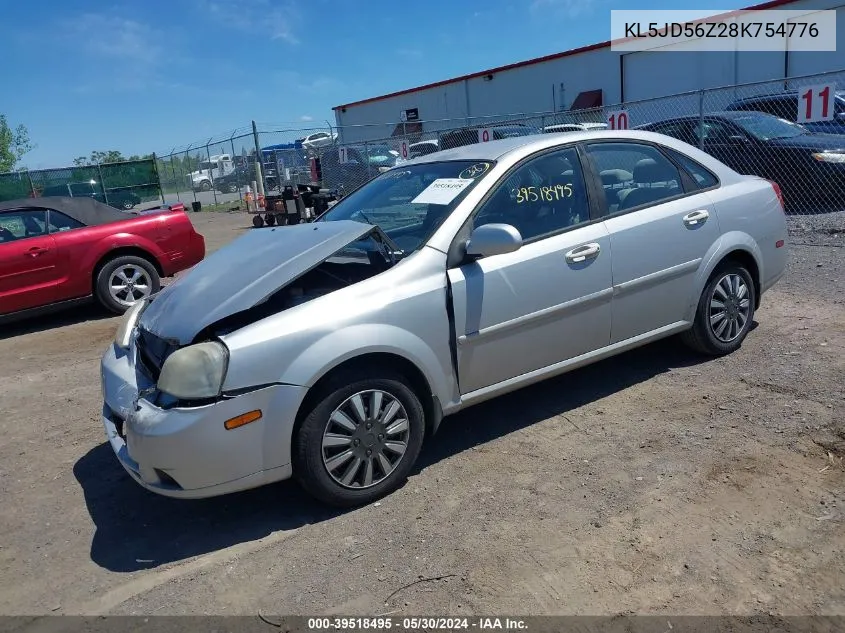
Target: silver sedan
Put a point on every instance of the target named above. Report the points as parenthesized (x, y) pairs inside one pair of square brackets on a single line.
[(329, 351)]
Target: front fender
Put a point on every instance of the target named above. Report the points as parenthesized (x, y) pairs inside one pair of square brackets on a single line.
[(727, 243), (332, 350), (339, 346)]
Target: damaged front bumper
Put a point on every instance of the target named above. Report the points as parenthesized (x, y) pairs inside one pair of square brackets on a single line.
[(187, 452)]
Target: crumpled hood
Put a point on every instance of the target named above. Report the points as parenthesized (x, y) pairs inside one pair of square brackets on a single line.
[(243, 274)]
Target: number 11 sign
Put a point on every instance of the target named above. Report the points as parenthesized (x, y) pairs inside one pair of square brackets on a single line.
[(815, 103)]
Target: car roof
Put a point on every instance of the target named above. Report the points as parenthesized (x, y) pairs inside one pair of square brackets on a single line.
[(725, 114), (789, 94), (527, 144), (88, 211)]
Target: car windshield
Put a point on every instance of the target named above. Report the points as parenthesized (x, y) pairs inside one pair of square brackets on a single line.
[(409, 203), (767, 128)]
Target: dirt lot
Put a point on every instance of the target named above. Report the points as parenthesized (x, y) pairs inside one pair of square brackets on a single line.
[(654, 482)]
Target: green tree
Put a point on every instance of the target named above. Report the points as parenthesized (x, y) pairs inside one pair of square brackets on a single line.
[(14, 143), (109, 156)]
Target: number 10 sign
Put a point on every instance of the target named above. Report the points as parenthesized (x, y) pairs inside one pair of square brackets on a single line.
[(618, 120)]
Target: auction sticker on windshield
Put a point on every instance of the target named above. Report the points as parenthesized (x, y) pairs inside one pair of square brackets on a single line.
[(442, 191)]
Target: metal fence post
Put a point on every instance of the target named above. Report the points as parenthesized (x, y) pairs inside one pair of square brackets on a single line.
[(367, 156), (102, 184), (175, 181), (237, 171), (701, 119), (187, 162), (211, 172), (158, 178), (31, 186)]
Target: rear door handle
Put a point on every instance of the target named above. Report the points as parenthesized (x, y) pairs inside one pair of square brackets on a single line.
[(35, 251), (583, 253), (696, 218)]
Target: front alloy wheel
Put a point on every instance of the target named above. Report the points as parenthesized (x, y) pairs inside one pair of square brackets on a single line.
[(360, 440), (365, 439)]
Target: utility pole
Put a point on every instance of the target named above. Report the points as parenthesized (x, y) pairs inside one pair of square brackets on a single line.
[(258, 177)]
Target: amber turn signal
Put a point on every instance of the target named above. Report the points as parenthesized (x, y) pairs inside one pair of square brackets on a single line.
[(242, 420)]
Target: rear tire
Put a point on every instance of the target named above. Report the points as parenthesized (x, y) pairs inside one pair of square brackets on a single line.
[(396, 421), (205, 185), (258, 221), (725, 312), (136, 276)]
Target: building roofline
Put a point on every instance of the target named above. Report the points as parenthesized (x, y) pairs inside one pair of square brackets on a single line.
[(539, 60)]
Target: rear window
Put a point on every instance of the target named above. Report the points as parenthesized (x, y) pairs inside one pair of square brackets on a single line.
[(702, 176)]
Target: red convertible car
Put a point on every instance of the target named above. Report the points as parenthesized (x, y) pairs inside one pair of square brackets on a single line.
[(57, 251)]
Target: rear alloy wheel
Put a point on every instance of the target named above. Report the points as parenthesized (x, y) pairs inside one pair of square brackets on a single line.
[(128, 205), (233, 188), (360, 441), (725, 312), (123, 281)]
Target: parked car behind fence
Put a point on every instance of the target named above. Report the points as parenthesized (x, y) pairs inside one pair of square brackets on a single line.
[(808, 167)]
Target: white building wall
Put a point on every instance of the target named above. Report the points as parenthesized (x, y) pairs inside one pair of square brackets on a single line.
[(554, 84)]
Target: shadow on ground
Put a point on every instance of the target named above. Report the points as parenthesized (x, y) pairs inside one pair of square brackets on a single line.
[(89, 311), (136, 529)]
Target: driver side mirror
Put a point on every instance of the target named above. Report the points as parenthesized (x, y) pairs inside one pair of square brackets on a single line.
[(493, 239)]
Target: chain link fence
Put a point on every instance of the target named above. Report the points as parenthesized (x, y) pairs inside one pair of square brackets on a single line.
[(123, 185), (756, 128)]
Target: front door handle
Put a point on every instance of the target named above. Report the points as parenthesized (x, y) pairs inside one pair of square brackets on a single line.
[(696, 218), (583, 253), (35, 251)]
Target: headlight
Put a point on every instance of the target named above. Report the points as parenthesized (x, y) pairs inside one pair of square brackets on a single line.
[(194, 372), (123, 336), (830, 157)]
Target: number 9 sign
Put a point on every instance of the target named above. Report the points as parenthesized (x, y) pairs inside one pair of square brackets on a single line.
[(617, 120)]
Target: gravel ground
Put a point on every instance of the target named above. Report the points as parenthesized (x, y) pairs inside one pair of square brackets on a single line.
[(655, 482)]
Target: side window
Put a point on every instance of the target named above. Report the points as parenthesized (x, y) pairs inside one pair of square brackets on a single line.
[(681, 130), (634, 175), (60, 222), (21, 224), (715, 132), (782, 108), (700, 173), (544, 195)]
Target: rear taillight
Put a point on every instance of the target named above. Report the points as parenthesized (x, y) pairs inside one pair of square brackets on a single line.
[(778, 193)]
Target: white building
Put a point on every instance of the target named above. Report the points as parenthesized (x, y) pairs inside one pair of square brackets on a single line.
[(588, 77)]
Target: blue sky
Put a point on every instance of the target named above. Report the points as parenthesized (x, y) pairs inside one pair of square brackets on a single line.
[(149, 75)]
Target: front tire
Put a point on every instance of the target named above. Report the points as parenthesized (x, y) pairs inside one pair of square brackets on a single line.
[(125, 280), (360, 440), (205, 186), (724, 313)]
